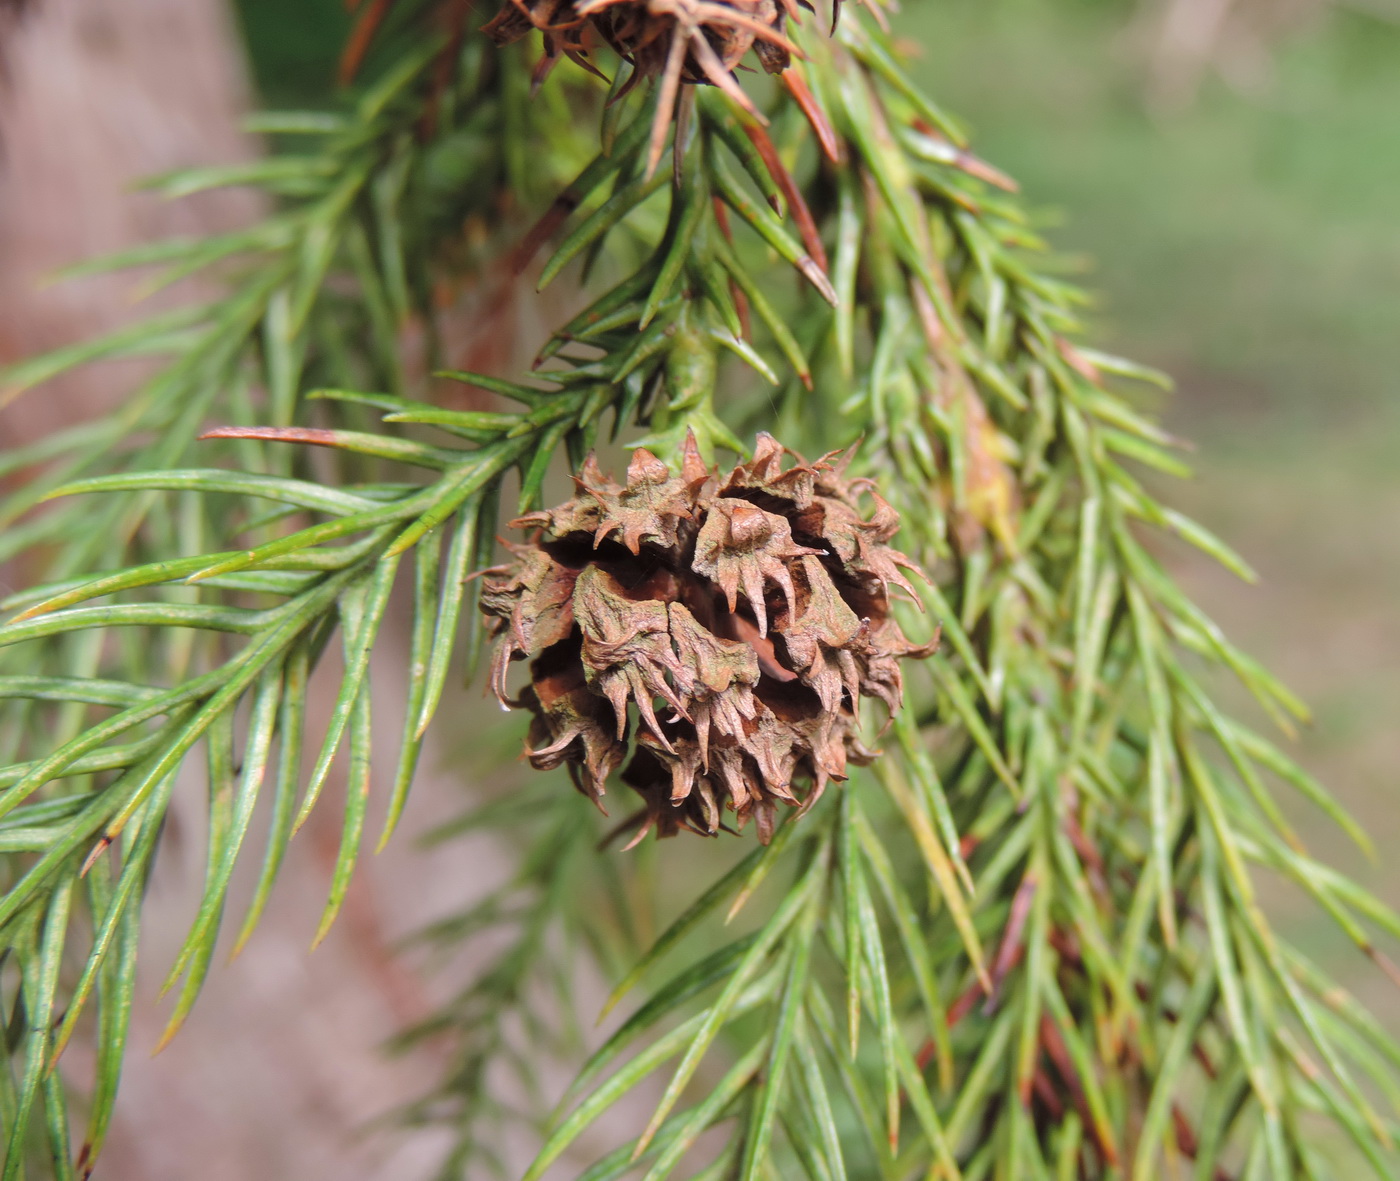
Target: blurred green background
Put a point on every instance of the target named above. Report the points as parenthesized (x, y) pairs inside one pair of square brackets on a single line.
[(1245, 237)]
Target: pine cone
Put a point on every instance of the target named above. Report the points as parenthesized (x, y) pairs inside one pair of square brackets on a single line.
[(712, 35), (676, 41), (744, 617)]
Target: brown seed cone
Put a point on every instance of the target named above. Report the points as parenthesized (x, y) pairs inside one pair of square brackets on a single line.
[(677, 41), (641, 31), (742, 616)]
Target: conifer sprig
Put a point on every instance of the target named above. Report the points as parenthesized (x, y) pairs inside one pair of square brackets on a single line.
[(1026, 943)]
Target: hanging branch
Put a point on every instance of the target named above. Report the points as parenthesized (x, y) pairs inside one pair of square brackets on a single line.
[(1093, 981)]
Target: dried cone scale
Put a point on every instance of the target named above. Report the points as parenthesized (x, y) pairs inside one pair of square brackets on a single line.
[(676, 41), (742, 617), (705, 37)]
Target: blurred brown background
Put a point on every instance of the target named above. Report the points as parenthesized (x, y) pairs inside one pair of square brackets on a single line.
[(1230, 168)]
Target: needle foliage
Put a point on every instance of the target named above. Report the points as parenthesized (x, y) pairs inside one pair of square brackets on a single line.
[(1026, 942)]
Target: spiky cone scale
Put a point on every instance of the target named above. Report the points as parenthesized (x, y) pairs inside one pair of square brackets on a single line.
[(678, 42), (739, 617)]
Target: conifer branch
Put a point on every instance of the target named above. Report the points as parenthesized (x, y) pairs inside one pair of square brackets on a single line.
[(1026, 942)]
